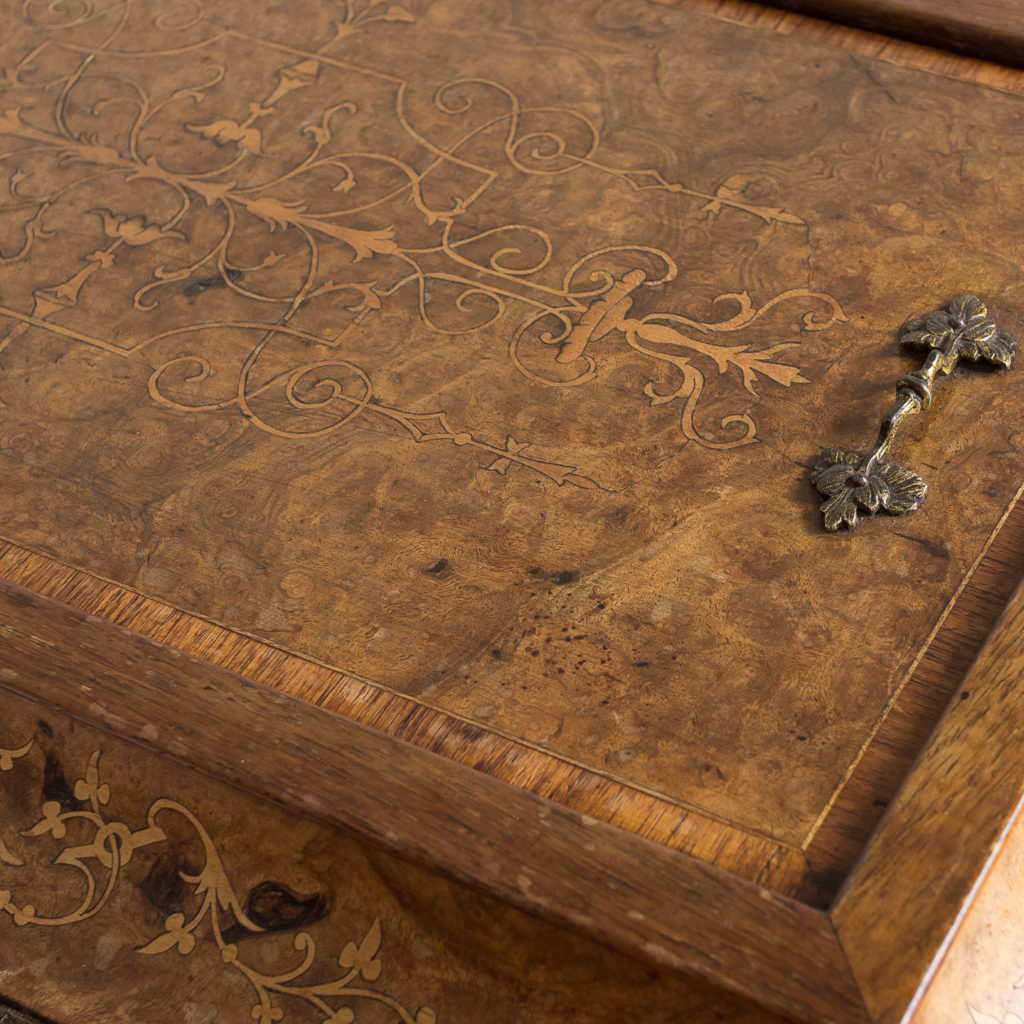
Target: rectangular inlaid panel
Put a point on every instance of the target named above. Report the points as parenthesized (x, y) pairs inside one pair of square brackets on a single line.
[(483, 353)]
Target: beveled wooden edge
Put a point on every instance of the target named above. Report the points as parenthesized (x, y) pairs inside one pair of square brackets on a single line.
[(858, 41), (655, 903), (649, 814), (990, 29), (941, 833), (910, 719)]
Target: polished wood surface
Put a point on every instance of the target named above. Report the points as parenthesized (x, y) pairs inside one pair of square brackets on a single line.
[(775, 866), (613, 595), (384, 501)]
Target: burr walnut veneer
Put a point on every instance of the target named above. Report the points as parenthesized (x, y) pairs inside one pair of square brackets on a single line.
[(407, 416)]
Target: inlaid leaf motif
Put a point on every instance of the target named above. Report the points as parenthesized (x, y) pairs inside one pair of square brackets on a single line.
[(174, 937), (277, 213), (8, 757), (214, 903), (51, 822), (224, 131), (341, 1016), (363, 243), (753, 363), (363, 958), (133, 230), (90, 788)]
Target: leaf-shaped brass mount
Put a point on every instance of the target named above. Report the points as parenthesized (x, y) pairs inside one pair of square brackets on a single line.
[(856, 485)]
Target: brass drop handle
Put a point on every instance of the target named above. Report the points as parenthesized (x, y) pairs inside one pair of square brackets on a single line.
[(857, 485)]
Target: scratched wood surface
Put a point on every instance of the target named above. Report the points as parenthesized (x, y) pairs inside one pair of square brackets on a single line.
[(147, 945), (306, 335)]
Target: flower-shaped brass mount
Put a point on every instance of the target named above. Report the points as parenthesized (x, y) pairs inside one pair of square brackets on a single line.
[(856, 485)]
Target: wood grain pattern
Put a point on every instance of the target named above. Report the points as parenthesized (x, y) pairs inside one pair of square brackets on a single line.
[(443, 952), (989, 29), (555, 551), (619, 644), (663, 906), (649, 815), (939, 834)]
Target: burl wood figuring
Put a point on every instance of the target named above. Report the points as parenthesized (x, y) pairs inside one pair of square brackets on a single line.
[(413, 408)]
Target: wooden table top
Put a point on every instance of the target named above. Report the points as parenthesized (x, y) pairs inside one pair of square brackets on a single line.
[(460, 371)]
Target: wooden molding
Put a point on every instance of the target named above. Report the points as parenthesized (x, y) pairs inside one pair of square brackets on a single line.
[(991, 29), (567, 867), (815, 21), (563, 839), (942, 831), (655, 903), (647, 814), (904, 731)]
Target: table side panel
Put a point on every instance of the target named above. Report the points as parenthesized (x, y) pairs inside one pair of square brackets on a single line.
[(648, 815)]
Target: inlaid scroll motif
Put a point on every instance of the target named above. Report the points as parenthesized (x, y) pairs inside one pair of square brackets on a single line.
[(277, 200), (96, 848)]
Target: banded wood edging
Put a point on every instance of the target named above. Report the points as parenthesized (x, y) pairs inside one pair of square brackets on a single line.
[(890, 923), (655, 903)]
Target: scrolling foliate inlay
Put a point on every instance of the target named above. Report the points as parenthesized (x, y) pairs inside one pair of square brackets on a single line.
[(101, 849), (221, 170)]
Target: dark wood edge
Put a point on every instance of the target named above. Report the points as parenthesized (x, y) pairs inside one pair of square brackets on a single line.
[(652, 902), (941, 833), (11, 1015), (863, 43), (993, 32)]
